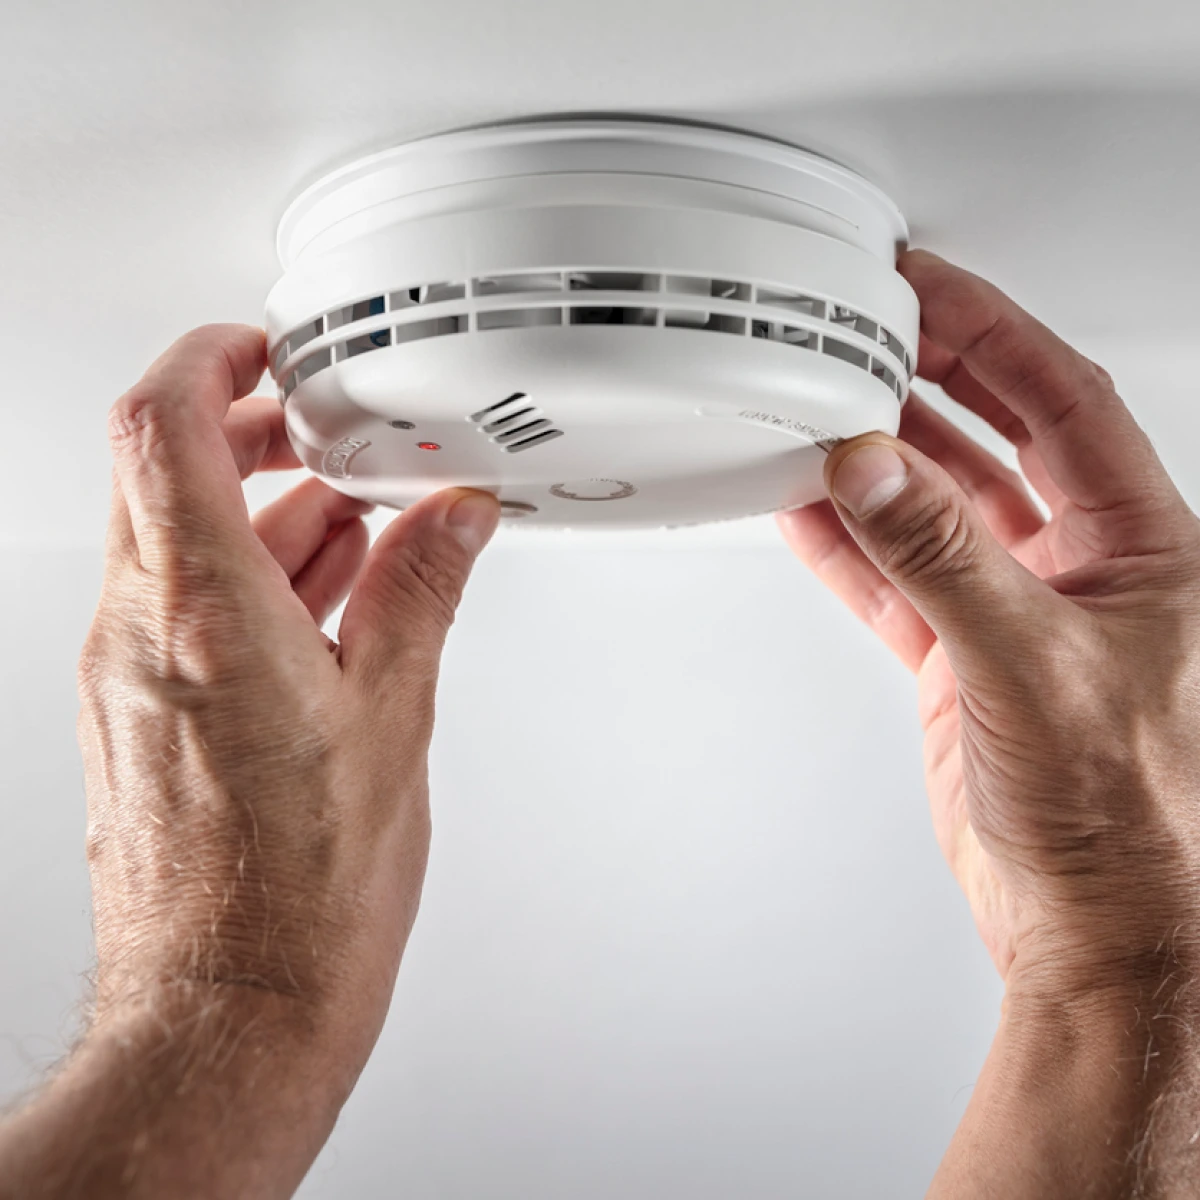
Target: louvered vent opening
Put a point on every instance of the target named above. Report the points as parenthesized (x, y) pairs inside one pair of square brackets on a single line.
[(846, 352), (848, 319), (515, 424), (516, 285), (806, 322), (791, 335), (593, 315), (430, 293), (416, 331), (518, 318), (611, 281), (884, 372)]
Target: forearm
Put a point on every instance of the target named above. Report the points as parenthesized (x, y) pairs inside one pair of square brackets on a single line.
[(195, 1094), (1095, 1099)]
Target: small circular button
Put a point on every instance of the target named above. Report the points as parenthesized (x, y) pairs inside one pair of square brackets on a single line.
[(402, 425), (593, 489)]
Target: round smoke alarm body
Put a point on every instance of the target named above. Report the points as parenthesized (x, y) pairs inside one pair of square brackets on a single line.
[(611, 323)]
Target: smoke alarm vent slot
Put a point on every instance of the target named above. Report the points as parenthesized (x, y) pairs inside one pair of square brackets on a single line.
[(518, 318), (311, 365), (612, 281), (723, 323), (891, 345), (791, 335), (597, 315), (537, 440), (850, 354), (429, 293), (509, 285), (415, 331), (504, 421), (714, 322), (514, 421), (363, 344), (794, 302), (884, 372), (521, 432), (304, 335), (360, 311), (849, 319), (807, 339), (484, 413), (727, 289)]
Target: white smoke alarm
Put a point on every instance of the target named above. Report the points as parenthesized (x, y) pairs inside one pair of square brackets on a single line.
[(618, 322)]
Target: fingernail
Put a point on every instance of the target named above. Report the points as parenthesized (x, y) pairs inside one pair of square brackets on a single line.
[(868, 478), (473, 519)]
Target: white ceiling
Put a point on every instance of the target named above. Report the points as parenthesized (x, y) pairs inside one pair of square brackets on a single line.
[(147, 149)]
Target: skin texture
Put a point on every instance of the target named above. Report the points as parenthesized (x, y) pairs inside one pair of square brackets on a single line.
[(1058, 670), (258, 817), (259, 823)]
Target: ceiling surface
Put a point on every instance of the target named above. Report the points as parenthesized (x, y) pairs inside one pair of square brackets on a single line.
[(685, 931)]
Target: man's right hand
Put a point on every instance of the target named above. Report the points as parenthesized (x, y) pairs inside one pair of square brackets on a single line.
[(1058, 664)]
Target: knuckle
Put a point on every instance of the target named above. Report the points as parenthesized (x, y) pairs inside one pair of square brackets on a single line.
[(92, 666), (1028, 361), (880, 608), (1103, 376), (138, 420), (428, 584), (934, 540)]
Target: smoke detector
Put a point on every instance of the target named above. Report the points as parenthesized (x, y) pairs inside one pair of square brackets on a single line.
[(619, 322)]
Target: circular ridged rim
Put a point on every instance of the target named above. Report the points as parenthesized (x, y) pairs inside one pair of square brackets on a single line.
[(718, 155)]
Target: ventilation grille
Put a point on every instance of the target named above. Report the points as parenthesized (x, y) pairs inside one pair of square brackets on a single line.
[(557, 298), (515, 424)]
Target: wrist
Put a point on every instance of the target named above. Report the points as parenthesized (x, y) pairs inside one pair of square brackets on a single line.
[(236, 1038), (185, 1090), (1083, 1093)]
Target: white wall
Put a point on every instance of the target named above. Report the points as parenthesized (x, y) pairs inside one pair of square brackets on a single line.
[(686, 931)]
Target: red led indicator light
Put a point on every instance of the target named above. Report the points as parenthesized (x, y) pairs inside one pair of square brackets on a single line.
[(428, 446)]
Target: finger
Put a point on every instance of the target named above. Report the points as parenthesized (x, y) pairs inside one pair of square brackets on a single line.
[(917, 526), (818, 538), (325, 581), (998, 494), (296, 526), (176, 470), (257, 436), (1091, 445), (938, 365), (399, 612)]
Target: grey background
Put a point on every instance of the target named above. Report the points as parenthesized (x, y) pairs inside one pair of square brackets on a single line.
[(686, 931)]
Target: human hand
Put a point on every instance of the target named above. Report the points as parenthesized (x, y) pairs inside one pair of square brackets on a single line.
[(1057, 661), (258, 819), (1058, 666)]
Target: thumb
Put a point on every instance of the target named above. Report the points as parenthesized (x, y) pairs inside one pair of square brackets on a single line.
[(916, 525), (410, 586)]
